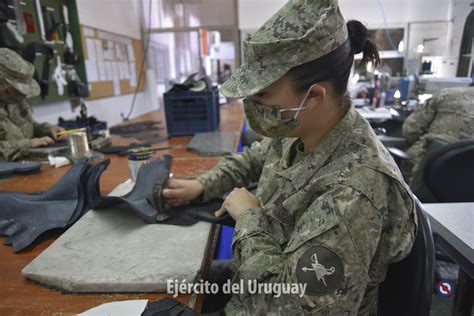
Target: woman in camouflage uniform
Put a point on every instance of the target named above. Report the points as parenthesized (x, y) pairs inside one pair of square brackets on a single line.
[(18, 131), (331, 210)]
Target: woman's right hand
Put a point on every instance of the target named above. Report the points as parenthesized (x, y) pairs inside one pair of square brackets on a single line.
[(179, 192), (43, 141)]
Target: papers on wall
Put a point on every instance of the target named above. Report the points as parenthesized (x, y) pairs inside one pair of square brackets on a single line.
[(88, 32), (131, 53), (91, 49), (101, 71), (133, 75), (116, 78), (92, 71), (110, 58)]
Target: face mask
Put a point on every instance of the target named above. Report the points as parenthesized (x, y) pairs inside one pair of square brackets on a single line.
[(267, 120)]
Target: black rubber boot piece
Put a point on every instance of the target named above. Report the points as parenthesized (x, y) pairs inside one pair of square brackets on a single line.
[(141, 198), (146, 201), (23, 217)]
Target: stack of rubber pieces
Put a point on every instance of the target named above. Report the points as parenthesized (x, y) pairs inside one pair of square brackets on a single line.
[(145, 131), (10, 169), (24, 216), (193, 84)]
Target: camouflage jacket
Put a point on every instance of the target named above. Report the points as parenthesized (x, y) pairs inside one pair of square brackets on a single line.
[(17, 128), (448, 115), (332, 221)]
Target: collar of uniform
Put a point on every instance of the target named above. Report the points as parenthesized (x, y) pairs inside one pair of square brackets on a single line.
[(306, 168)]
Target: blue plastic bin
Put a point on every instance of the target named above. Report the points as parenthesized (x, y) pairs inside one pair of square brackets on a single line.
[(191, 112)]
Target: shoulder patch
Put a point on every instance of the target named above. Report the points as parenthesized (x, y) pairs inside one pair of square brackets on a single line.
[(321, 270)]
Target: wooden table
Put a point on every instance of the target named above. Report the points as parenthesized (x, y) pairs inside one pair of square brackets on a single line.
[(19, 296)]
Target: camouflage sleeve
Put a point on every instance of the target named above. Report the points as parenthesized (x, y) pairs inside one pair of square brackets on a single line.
[(41, 129), (418, 122), (238, 170), (12, 150), (329, 254)]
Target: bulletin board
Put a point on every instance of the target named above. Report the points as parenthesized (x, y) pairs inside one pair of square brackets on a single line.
[(112, 63)]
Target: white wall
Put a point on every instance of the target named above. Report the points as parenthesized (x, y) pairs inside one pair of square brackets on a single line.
[(117, 16), (253, 13), (120, 17)]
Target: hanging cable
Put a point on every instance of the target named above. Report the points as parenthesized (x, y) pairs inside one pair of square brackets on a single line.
[(142, 66), (408, 62), (387, 33)]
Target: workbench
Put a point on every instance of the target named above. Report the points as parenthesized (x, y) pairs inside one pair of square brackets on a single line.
[(20, 296)]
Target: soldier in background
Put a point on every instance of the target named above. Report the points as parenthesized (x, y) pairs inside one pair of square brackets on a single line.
[(331, 210), (448, 116), (18, 131)]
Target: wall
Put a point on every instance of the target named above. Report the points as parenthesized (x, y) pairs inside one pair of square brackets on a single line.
[(252, 14), (117, 16)]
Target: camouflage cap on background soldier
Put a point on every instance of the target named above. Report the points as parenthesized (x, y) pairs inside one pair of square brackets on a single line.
[(18, 73), (301, 31)]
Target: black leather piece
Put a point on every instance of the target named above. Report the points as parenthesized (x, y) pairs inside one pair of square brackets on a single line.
[(171, 307), (10, 168), (189, 214), (141, 198), (89, 189), (147, 131), (168, 307), (24, 217), (93, 183), (206, 212), (220, 273), (122, 150), (135, 128), (145, 199)]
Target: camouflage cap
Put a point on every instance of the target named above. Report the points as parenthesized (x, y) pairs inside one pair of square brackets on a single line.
[(301, 31), (18, 72)]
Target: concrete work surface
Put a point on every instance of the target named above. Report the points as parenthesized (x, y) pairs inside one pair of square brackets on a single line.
[(112, 250)]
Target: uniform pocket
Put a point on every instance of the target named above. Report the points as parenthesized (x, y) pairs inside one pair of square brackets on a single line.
[(319, 218)]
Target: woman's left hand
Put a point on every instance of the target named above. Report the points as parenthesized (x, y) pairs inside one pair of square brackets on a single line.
[(238, 201)]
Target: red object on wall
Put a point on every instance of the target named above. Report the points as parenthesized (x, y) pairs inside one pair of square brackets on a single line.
[(30, 22)]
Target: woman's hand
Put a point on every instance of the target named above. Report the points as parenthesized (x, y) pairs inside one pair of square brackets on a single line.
[(238, 201), (179, 192), (54, 130), (40, 142)]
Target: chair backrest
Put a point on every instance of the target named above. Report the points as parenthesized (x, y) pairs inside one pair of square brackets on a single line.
[(408, 287), (449, 172)]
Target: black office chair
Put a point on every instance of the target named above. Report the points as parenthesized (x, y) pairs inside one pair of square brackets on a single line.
[(408, 287), (449, 172), (446, 172)]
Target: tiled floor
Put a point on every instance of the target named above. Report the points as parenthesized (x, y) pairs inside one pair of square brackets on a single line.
[(441, 306)]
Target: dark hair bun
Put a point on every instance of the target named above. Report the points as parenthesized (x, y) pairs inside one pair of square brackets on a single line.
[(360, 42)]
